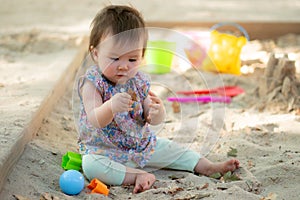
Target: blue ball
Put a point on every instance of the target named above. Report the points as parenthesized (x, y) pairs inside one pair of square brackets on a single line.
[(71, 182)]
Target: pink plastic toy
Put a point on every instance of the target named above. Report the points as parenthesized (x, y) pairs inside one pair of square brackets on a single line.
[(203, 99)]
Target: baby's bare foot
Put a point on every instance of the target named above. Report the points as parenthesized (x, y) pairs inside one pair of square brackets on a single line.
[(208, 168), (229, 165)]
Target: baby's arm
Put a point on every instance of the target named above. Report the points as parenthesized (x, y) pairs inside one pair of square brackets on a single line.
[(154, 109), (101, 114)]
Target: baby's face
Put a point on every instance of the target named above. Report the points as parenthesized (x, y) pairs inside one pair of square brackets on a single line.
[(118, 61)]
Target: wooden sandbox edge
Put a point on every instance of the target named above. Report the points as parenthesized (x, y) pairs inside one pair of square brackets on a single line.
[(256, 30), (44, 110)]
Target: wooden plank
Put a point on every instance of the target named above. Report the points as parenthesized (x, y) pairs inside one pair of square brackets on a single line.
[(44, 110), (256, 30)]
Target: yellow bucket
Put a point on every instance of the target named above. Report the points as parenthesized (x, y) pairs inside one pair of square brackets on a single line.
[(224, 52)]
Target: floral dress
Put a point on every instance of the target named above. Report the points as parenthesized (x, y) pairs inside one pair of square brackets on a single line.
[(127, 137)]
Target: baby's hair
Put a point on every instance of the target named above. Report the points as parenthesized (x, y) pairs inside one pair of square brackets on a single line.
[(115, 19)]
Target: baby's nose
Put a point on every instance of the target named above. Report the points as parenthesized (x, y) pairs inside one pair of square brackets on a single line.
[(123, 66)]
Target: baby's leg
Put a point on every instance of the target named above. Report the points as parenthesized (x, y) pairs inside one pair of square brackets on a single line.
[(169, 154), (104, 169), (113, 173), (206, 167)]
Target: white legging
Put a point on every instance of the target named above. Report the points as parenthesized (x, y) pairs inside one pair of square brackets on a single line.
[(167, 154)]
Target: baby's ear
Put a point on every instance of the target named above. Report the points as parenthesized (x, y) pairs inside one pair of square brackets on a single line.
[(94, 54)]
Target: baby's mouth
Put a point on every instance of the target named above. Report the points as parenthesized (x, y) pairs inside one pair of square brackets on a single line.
[(121, 75)]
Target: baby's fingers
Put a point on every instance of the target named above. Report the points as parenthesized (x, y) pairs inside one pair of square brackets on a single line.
[(152, 94), (155, 100), (142, 187), (154, 106), (125, 96), (137, 188)]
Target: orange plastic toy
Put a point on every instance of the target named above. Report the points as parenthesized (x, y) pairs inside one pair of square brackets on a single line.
[(98, 187)]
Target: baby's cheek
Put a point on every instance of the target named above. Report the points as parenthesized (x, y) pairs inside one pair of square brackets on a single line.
[(133, 71)]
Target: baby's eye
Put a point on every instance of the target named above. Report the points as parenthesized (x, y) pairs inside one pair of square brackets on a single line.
[(132, 60), (114, 59)]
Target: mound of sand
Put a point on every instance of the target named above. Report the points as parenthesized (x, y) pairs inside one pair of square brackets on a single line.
[(279, 87)]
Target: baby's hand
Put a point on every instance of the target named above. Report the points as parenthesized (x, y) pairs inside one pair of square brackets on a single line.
[(156, 107), (121, 102), (143, 181)]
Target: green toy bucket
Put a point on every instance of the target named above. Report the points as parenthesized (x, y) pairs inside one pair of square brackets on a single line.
[(71, 160), (159, 56)]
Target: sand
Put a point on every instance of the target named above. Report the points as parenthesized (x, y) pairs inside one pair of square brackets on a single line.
[(266, 140), (262, 125)]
